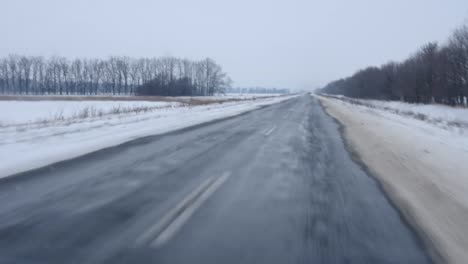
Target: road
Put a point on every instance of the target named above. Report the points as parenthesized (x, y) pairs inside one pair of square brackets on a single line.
[(275, 185)]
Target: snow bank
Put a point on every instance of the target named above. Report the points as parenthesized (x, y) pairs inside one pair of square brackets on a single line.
[(26, 147), (421, 166)]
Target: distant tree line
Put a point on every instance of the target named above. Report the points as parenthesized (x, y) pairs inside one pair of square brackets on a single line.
[(434, 74), (116, 76), (258, 90)]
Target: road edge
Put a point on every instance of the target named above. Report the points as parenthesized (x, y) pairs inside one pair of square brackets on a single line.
[(403, 208)]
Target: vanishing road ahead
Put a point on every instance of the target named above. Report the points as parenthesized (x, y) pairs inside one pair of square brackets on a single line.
[(275, 185)]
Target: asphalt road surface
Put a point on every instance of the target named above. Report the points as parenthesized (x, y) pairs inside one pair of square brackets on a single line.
[(275, 185)]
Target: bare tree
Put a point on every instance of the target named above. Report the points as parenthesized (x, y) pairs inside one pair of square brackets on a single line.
[(432, 74)]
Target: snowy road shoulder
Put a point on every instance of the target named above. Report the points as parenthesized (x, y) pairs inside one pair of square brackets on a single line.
[(26, 147), (420, 165), (443, 116)]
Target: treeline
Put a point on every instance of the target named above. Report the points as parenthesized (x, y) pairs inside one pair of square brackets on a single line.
[(115, 76), (434, 74)]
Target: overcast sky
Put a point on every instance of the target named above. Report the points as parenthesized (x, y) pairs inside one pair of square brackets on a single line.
[(288, 43)]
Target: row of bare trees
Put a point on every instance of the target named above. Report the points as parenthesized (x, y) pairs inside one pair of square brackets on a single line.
[(115, 75), (434, 74)]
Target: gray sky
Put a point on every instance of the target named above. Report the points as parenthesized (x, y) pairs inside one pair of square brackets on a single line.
[(288, 43)]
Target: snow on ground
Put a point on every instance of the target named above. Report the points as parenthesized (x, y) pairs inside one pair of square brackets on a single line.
[(441, 115), (422, 166), (250, 95), (433, 112), (29, 112), (241, 96), (34, 145)]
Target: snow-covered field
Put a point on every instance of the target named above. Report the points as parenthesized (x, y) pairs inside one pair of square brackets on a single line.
[(422, 165), (26, 144), (240, 96), (36, 112), (250, 95), (32, 112)]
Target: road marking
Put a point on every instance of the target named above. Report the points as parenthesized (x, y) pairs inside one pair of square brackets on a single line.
[(268, 132), (177, 224), (173, 213), (168, 226)]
